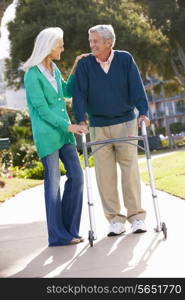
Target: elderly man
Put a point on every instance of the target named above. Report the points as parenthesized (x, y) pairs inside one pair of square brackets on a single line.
[(108, 87)]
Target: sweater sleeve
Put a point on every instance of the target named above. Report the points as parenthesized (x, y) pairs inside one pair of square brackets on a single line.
[(80, 92), (38, 101), (137, 92)]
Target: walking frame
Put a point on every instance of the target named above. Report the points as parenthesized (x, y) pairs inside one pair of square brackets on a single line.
[(161, 226)]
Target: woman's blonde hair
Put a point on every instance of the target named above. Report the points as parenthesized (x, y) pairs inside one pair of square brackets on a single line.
[(44, 43)]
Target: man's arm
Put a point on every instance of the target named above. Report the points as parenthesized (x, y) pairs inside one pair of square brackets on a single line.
[(80, 92), (137, 92)]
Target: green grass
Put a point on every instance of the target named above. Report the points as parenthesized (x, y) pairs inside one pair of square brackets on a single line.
[(16, 185), (154, 152), (168, 172)]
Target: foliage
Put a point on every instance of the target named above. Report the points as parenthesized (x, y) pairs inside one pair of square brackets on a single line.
[(171, 88), (169, 17), (3, 5), (23, 154), (177, 127), (21, 159), (90, 160), (133, 30), (17, 127), (165, 143), (7, 120), (160, 130), (37, 171)]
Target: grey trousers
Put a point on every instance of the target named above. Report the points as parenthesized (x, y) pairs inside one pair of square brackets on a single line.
[(106, 161)]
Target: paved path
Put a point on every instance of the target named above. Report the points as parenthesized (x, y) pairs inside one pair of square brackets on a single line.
[(24, 251)]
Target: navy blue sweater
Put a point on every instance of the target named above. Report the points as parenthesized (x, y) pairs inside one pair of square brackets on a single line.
[(108, 98)]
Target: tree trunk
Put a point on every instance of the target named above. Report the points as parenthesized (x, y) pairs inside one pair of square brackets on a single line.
[(178, 64)]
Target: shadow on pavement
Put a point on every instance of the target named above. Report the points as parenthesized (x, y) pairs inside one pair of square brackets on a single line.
[(109, 257), (112, 257)]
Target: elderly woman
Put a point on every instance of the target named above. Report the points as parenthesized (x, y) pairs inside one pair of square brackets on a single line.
[(53, 136)]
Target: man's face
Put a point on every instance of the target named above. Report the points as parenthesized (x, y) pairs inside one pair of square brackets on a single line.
[(98, 44)]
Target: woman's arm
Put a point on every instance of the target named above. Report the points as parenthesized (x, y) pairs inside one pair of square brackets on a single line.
[(38, 101)]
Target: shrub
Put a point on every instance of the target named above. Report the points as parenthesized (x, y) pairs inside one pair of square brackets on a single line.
[(7, 120), (17, 127), (160, 130), (21, 132), (6, 158), (179, 141), (177, 127), (36, 172), (165, 143), (23, 154), (90, 159)]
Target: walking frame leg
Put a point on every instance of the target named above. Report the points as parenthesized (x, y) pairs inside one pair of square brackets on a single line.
[(92, 232), (150, 171)]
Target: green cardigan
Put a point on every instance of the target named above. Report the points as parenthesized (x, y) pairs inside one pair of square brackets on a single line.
[(47, 110)]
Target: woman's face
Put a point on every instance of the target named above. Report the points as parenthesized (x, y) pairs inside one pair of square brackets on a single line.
[(57, 50)]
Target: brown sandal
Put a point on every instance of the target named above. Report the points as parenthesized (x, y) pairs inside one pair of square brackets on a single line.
[(74, 241)]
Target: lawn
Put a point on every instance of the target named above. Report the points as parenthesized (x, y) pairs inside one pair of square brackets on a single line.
[(16, 185), (168, 172)]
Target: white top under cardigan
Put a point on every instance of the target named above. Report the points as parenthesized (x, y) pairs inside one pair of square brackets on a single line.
[(47, 74)]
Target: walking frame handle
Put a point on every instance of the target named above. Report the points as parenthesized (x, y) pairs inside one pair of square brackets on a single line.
[(143, 127), (83, 137)]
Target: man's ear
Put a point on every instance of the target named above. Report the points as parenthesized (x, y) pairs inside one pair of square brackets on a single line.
[(109, 43)]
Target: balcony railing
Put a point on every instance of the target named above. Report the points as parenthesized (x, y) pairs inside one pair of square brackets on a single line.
[(4, 143)]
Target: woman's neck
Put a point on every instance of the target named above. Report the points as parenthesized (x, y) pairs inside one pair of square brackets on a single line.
[(47, 63)]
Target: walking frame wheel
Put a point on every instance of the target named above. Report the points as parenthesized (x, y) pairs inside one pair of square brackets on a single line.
[(163, 229), (91, 238)]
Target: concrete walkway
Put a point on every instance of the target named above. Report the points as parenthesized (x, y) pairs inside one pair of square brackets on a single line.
[(24, 252)]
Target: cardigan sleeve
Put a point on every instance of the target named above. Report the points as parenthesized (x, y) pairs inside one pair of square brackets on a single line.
[(137, 92), (67, 86), (38, 101), (80, 92)]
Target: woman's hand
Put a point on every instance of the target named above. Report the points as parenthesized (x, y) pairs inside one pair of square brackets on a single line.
[(80, 57), (77, 60), (78, 129)]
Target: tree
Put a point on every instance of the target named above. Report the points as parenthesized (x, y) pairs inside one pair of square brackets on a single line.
[(133, 30), (169, 17), (3, 5)]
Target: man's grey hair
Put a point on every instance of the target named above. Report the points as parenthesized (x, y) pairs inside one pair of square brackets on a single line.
[(106, 31)]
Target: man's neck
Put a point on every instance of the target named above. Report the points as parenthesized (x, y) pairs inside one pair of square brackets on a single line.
[(104, 56)]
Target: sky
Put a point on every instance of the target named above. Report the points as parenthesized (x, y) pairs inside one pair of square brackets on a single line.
[(9, 15)]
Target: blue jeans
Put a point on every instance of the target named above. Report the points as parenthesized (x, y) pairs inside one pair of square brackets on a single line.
[(63, 214)]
